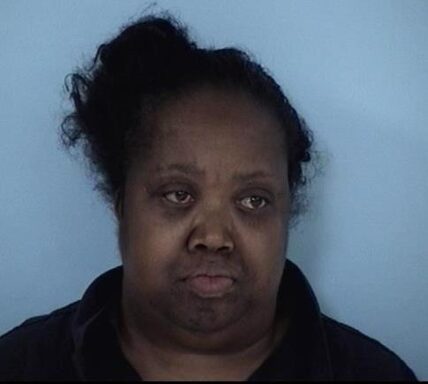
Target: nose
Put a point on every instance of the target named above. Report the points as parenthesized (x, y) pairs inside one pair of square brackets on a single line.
[(211, 234)]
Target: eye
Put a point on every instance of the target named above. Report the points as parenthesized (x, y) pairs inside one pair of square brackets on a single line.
[(178, 197), (254, 202)]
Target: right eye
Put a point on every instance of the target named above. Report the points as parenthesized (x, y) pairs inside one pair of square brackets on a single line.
[(178, 197)]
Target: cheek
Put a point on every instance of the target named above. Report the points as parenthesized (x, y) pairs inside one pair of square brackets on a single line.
[(147, 243), (266, 247)]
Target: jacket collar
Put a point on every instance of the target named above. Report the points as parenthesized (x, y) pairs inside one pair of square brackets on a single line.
[(303, 353)]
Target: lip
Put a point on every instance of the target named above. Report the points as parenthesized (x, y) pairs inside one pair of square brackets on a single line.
[(214, 273), (209, 271), (210, 286)]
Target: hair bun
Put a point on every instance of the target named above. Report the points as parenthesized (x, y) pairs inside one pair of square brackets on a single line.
[(151, 44)]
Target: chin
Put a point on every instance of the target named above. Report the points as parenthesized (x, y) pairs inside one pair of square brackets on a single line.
[(207, 315)]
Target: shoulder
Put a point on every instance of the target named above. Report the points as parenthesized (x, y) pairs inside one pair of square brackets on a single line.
[(359, 357), (36, 344)]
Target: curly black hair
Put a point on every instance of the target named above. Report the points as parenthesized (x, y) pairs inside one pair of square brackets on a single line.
[(150, 61)]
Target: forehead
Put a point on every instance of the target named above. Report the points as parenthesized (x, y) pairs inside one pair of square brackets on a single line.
[(217, 129), (208, 110)]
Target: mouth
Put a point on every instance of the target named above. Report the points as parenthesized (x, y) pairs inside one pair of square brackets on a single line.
[(210, 286)]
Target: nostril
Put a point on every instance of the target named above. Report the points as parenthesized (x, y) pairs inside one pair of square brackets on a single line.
[(224, 249), (201, 240), (201, 247)]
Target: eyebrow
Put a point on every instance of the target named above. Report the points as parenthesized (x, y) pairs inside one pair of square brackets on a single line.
[(244, 177), (188, 169), (193, 170)]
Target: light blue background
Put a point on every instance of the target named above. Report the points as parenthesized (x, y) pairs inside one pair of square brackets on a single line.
[(356, 70)]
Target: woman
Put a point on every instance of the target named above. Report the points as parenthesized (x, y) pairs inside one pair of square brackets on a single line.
[(200, 154)]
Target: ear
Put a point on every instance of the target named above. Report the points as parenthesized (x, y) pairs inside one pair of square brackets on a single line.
[(118, 205)]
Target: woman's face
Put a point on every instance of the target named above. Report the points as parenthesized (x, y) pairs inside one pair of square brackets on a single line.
[(203, 232)]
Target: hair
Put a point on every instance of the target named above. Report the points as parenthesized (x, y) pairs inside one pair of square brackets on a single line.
[(147, 63)]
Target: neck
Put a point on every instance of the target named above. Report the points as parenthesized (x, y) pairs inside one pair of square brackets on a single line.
[(230, 354)]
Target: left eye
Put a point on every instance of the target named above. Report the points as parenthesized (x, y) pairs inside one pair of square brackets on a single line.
[(178, 197), (254, 202)]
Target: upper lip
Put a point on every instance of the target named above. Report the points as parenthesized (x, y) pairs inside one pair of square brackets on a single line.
[(211, 273)]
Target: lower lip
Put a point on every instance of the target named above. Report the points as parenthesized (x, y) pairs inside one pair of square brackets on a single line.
[(210, 286)]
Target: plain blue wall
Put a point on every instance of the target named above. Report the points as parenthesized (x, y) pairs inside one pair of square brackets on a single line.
[(356, 70)]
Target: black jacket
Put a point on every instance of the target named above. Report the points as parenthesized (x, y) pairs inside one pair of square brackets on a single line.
[(78, 342)]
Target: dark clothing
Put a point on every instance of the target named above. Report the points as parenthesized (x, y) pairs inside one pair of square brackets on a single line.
[(79, 342)]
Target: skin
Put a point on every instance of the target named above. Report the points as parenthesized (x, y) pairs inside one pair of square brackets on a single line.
[(203, 230)]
